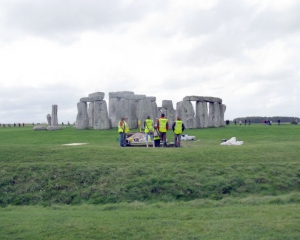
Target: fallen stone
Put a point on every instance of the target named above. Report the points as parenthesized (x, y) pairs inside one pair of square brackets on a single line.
[(40, 128), (53, 128)]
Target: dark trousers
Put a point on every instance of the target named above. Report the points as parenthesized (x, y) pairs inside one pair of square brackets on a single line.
[(163, 136)]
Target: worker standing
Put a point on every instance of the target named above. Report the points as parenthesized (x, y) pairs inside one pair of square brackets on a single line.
[(163, 127), (149, 130), (127, 130), (139, 126), (121, 130), (177, 127)]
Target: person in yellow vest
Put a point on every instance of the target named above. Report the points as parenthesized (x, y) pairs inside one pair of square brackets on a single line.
[(178, 128), (121, 131), (127, 130), (163, 127), (149, 130), (139, 126)]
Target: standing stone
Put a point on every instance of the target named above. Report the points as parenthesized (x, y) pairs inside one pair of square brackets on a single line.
[(186, 111), (101, 120), (114, 98), (48, 119), (217, 118), (144, 110), (222, 113), (91, 114), (123, 109), (54, 120), (170, 112), (82, 119), (214, 114), (201, 114)]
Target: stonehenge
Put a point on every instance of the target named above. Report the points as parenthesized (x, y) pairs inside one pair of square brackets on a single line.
[(93, 112), (96, 116), (51, 120)]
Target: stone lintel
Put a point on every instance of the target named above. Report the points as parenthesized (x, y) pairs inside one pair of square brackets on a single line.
[(152, 99), (135, 97), (91, 99), (120, 94), (97, 94), (202, 99)]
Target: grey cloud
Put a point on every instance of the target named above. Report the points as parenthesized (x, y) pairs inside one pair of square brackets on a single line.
[(30, 104), (61, 19)]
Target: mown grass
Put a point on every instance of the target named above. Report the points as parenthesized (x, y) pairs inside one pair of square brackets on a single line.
[(131, 193)]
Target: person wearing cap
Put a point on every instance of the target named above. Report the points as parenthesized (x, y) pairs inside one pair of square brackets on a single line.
[(121, 131), (163, 127), (177, 127), (148, 125)]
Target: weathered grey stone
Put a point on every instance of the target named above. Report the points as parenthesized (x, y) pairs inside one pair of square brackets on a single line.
[(101, 120), (113, 111), (193, 98), (186, 111), (135, 97), (222, 113), (152, 99), (82, 119), (54, 120), (53, 128), (201, 98), (201, 114), (39, 128), (91, 114), (48, 119), (123, 109), (114, 98), (214, 114), (119, 94), (144, 109), (97, 94), (212, 99), (155, 112), (91, 99)]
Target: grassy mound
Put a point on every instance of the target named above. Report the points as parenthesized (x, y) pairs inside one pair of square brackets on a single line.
[(36, 168)]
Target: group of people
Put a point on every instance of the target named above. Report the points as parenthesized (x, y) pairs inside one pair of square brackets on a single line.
[(9, 125), (157, 132)]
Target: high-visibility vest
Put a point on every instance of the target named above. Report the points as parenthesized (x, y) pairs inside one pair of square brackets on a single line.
[(163, 124), (126, 127), (149, 125), (121, 128), (178, 127)]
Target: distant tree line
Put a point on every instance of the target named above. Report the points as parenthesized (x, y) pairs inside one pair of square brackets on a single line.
[(273, 119)]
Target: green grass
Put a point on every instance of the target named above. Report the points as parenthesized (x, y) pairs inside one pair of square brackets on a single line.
[(99, 190)]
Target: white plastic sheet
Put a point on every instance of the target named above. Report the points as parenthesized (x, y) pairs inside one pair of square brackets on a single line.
[(232, 142)]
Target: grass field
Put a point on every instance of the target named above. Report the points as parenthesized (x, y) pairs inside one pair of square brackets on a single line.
[(101, 191)]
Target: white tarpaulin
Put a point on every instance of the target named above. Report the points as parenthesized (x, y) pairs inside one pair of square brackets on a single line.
[(232, 142)]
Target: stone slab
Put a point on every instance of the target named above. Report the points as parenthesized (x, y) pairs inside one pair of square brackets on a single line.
[(97, 94), (53, 128)]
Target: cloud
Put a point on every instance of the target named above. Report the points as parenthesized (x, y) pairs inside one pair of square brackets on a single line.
[(32, 104), (65, 20)]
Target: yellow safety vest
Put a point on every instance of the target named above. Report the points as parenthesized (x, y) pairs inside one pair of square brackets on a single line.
[(163, 124), (149, 125), (127, 130), (178, 127), (121, 128)]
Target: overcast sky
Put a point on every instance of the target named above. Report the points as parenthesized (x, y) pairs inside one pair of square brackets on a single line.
[(246, 52)]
